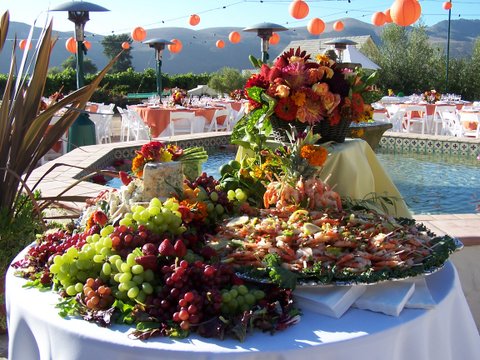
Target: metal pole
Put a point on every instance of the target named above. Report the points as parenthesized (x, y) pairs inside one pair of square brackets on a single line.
[(264, 45), (82, 131), (448, 49), (159, 74)]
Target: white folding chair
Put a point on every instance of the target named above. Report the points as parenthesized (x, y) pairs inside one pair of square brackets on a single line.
[(452, 124), (396, 115), (217, 124), (467, 118), (415, 114), (181, 122), (137, 127), (438, 121), (235, 117)]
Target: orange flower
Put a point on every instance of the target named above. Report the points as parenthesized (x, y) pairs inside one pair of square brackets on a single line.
[(315, 155), (138, 163)]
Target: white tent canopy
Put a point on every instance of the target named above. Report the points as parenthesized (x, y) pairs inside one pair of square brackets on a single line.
[(352, 55), (202, 90)]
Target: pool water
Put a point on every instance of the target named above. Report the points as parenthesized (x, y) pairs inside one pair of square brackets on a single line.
[(430, 184)]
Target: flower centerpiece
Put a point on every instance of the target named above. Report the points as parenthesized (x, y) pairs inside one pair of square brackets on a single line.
[(432, 96), (300, 92), (178, 96)]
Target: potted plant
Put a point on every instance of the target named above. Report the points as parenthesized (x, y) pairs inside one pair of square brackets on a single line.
[(24, 139)]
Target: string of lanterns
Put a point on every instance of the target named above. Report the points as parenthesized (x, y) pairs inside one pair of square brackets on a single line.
[(401, 12)]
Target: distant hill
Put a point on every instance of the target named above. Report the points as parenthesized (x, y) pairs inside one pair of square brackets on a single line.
[(199, 53)]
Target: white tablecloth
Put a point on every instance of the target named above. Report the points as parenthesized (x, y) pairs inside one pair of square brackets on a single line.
[(445, 332)]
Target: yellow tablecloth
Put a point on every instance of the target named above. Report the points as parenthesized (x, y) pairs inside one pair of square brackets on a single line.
[(355, 172)]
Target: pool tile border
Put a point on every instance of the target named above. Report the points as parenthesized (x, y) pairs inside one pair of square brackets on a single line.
[(427, 144)]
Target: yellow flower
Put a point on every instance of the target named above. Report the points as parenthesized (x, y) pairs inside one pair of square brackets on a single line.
[(282, 91), (165, 156), (299, 98)]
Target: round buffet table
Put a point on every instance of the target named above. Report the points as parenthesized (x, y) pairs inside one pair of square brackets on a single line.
[(447, 331)]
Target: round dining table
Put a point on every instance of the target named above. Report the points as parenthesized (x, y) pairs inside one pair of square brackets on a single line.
[(158, 117), (445, 332)]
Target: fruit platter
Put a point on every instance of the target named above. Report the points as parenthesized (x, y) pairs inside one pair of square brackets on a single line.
[(222, 257)]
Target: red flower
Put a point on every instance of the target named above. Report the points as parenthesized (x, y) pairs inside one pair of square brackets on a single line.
[(286, 109)]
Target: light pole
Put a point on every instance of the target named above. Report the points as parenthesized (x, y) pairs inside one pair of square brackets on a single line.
[(82, 131), (264, 32), (448, 48), (340, 45), (159, 46)]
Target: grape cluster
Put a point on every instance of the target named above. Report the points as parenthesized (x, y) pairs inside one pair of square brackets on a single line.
[(213, 194), (96, 295), (239, 299), (157, 217), (134, 282), (126, 238), (191, 293), (39, 256)]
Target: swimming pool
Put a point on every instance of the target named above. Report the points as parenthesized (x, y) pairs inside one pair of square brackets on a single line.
[(430, 184)]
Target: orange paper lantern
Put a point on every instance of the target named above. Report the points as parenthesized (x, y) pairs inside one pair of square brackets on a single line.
[(316, 26), (23, 44), (176, 47), (388, 18), (194, 20), (378, 18), (139, 34), (447, 5), (338, 25), (220, 44), (125, 45), (71, 45), (405, 12), (274, 39), (299, 9), (87, 44), (234, 37)]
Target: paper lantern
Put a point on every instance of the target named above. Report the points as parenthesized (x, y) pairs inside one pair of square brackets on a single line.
[(87, 44), (194, 20), (316, 26), (234, 37), (274, 39), (299, 9), (71, 45), (220, 44), (125, 45), (405, 12), (139, 34), (447, 5), (388, 18), (338, 25), (23, 44), (378, 18), (176, 47)]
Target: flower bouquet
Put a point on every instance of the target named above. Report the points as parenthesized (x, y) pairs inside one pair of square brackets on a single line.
[(299, 92), (432, 96)]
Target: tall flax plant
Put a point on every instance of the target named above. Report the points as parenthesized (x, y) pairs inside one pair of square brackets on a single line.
[(23, 127)]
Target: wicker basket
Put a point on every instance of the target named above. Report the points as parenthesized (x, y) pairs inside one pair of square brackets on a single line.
[(281, 128), (335, 133)]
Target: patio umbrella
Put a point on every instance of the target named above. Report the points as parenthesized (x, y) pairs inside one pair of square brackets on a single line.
[(352, 55)]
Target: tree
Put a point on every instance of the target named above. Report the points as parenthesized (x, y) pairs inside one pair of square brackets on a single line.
[(88, 66), (226, 80), (112, 45), (408, 62)]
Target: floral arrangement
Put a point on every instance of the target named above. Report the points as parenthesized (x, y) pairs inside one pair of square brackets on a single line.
[(301, 91), (178, 96), (154, 151), (432, 96), (301, 158), (237, 94)]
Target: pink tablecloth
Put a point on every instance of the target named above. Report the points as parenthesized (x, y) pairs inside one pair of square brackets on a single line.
[(158, 119)]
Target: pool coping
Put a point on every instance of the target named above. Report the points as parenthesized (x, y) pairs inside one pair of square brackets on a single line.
[(465, 227)]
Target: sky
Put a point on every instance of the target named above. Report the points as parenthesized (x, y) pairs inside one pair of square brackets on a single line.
[(124, 15)]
